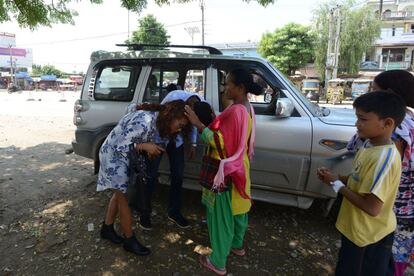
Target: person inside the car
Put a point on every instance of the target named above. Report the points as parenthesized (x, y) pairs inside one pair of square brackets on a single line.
[(135, 131), (227, 211)]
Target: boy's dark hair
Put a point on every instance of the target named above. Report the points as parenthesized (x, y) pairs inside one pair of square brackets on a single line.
[(384, 104), (171, 87), (400, 82), (204, 112)]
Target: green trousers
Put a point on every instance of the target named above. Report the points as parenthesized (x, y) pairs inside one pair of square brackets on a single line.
[(226, 231)]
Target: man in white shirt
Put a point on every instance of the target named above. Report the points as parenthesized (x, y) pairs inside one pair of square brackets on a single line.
[(175, 152)]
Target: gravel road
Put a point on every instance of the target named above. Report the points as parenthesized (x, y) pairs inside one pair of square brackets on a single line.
[(50, 214)]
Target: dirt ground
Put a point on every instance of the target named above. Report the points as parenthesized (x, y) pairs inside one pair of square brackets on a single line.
[(50, 213)]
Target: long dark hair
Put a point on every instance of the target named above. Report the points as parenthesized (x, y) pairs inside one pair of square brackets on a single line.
[(167, 114), (400, 82), (241, 77)]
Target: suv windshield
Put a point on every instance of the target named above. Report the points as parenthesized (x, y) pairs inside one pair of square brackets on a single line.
[(310, 84), (313, 107), (360, 87)]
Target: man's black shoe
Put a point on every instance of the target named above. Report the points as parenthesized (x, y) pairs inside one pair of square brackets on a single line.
[(108, 233), (145, 223), (179, 220), (133, 245)]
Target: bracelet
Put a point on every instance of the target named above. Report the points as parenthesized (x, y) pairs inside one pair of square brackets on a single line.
[(194, 145), (337, 185)]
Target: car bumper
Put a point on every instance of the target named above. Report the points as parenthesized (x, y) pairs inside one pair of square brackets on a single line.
[(83, 143)]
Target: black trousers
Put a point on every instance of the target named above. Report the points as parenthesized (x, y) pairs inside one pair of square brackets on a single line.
[(176, 160), (371, 260)]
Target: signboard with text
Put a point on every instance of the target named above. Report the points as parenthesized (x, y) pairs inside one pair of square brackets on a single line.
[(20, 57)]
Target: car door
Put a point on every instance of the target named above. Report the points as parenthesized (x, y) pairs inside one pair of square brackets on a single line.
[(283, 145), (192, 76)]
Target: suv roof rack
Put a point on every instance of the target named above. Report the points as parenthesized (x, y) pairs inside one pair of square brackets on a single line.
[(141, 47)]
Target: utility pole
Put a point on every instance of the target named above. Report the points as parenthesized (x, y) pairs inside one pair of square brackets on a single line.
[(332, 53), (329, 62), (380, 9), (337, 15), (128, 26), (11, 64), (191, 30), (202, 21)]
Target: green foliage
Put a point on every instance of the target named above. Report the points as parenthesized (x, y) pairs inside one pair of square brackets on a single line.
[(288, 48), (150, 31), (34, 13), (38, 70), (360, 28)]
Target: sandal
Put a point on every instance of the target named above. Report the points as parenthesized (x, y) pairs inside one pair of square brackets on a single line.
[(238, 251), (205, 261)]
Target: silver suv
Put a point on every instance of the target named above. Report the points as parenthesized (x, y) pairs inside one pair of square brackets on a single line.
[(294, 136)]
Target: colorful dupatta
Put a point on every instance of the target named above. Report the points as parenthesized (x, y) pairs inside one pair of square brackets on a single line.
[(233, 125)]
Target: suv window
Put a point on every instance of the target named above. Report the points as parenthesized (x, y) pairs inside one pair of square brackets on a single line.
[(116, 83), (195, 82), (160, 81)]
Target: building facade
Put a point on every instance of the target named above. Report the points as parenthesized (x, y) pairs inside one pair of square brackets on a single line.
[(241, 49), (395, 48)]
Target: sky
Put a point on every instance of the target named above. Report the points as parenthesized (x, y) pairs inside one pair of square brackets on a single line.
[(100, 27)]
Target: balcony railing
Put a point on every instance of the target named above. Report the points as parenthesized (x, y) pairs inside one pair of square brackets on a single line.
[(397, 15), (396, 65)]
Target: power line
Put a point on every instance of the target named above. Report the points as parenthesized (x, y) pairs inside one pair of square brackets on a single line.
[(101, 36)]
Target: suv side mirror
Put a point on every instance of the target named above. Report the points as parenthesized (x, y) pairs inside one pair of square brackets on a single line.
[(284, 108)]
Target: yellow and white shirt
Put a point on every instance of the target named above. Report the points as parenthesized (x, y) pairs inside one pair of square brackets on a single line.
[(375, 170)]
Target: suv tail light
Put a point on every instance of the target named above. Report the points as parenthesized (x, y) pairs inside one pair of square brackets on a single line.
[(77, 108)]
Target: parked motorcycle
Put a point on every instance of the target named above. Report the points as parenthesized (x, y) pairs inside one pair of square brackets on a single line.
[(12, 88)]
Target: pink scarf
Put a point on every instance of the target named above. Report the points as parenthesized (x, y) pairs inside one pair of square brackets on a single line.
[(233, 125)]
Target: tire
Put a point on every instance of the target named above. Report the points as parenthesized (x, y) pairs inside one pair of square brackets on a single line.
[(96, 163)]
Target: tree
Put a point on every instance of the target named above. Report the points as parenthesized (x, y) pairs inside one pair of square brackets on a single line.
[(34, 13), (38, 70), (150, 31), (360, 28), (288, 48)]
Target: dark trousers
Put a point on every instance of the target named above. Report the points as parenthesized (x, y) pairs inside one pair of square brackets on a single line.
[(176, 160), (374, 259)]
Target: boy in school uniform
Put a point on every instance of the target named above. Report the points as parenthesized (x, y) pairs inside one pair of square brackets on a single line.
[(366, 219)]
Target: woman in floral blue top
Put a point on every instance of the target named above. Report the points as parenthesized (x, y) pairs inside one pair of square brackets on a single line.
[(135, 131)]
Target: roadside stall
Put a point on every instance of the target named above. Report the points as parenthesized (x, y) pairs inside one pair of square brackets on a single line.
[(47, 82)]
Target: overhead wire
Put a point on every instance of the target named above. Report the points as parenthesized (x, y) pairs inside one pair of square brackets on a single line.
[(100, 36)]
